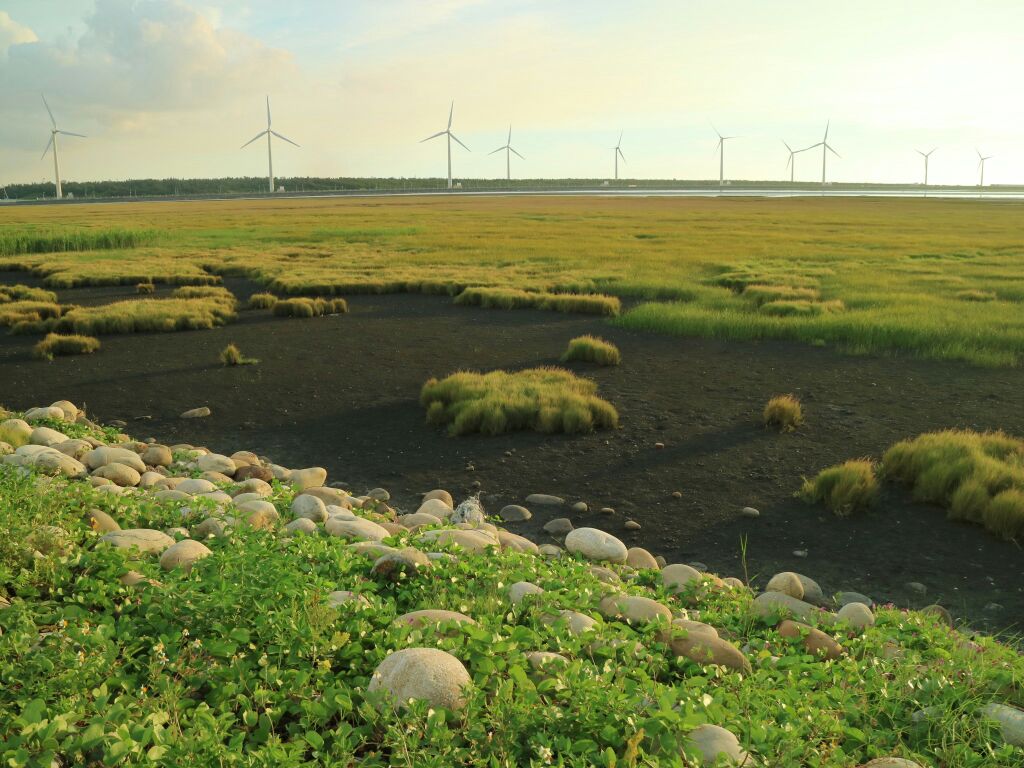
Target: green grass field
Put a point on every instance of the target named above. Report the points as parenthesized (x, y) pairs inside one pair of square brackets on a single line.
[(931, 278)]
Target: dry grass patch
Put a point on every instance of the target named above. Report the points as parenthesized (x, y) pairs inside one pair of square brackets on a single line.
[(262, 301), (540, 399), (9, 293), (56, 344), (145, 288), (845, 488), (784, 413), (15, 313), (976, 476), (592, 349), (514, 298), (137, 315), (306, 307), (232, 355)]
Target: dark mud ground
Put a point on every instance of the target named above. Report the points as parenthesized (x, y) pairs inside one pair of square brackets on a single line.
[(342, 392)]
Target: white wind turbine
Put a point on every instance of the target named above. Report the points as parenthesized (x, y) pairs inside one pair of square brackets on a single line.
[(448, 132), (721, 155), (925, 155), (618, 153), (825, 149), (981, 167), (270, 155), (791, 162), (53, 142), (508, 155)]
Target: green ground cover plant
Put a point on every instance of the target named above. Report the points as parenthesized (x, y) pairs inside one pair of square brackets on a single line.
[(539, 399), (592, 349), (844, 489), (65, 344), (235, 665)]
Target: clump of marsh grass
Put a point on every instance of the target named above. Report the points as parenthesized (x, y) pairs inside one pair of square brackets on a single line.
[(307, 307), (976, 476), (29, 311), (764, 294), (136, 315), (145, 288), (56, 344), (592, 349), (20, 292), (801, 307), (203, 292), (541, 399), (515, 298), (232, 355), (844, 489), (784, 413), (974, 294), (262, 301)]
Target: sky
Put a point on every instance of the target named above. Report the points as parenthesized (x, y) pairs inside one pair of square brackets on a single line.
[(173, 88)]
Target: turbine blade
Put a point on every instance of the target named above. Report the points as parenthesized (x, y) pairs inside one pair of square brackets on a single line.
[(439, 133), (787, 146), (459, 142), (268, 112), (832, 151), (619, 142), (509, 134), (719, 135), (827, 124), (499, 149), (517, 154), (450, 113), (922, 154), (284, 138), (250, 141), (47, 147), (48, 111), (620, 154), (789, 160), (69, 133)]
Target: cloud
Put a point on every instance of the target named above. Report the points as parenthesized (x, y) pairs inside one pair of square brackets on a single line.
[(13, 33)]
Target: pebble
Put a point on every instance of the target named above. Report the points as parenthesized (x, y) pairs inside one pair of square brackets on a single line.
[(750, 512), (579, 507), (356, 529), (607, 510), (640, 558), (514, 513), (196, 413), (799, 553), (560, 526), (632, 525), (544, 499), (677, 494), (659, 446), (916, 587)]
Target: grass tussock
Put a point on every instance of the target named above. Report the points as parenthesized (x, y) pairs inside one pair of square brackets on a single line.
[(55, 345), (15, 313), (976, 295), (145, 288), (203, 292), (13, 244), (844, 489), (9, 293), (232, 355), (307, 307), (976, 476), (514, 298), (262, 301), (765, 294), (544, 400), (136, 316), (592, 349), (784, 413)]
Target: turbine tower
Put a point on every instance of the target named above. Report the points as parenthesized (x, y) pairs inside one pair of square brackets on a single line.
[(448, 132), (721, 155), (981, 167), (925, 155), (508, 154), (270, 155), (53, 142), (618, 154), (825, 149), (791, 162)]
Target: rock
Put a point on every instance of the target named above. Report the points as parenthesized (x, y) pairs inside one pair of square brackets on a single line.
[(408, 561), (469, 511), (70, 410), (916, 587), (704, 648), (432, 617), (7, 449), (380, 494), (788, 583), (194, 486), (426, 674), (733, 583), (659, 446), (560, 526), (773, 606), (519, 543), (1011, 722), (300, 525), (15, 431), (439, 494), (550, 550), (47, 437), (344, 597), (372, 549), (815, 641), (254, 485), (312, 477), (544, 500), (143, 539), (813, 593), (100, 521), (436, 507), (514, 513), (157, 456), (856, 615), (261, 515), (47, 461), (183, 555), (280, 473), (418, 520), (75, 448), (150, 479), (119, 474), (661, 561), (541, 661), (577, 623), (799, 553), (253, 472), (309, 507), (640, 558), (607, 510), (677, 494), (356, 529), (579, 508), (473, 540), (631, 525), (712, 741), (845, 598), (634, 609), (891, 762), (606, 575), (683, 628), (596, 545), (210, 527), (38, 414), (216, 462), (750, 512), (196, 413), (518, 591), (329, 495), (679, 577), (940, 613)]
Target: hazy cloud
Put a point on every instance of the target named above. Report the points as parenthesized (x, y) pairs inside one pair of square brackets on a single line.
[(13, 33)]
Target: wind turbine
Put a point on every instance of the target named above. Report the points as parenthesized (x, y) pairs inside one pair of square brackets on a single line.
[(448, 132), (618, 154), (508, 154), (270, 156), (721, 155), (981, 166), (825, 149), (53, 142), (925, 155), (791, 162)]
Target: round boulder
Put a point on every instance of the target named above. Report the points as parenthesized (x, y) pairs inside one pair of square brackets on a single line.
[(428, 674), (439, 494), (514, 513), (596, 545), (712, 742), (311, 477), (309, 507), (640, 558), (856, 615), (183, 555), (788, 583), (143, 539), (518, 591)]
